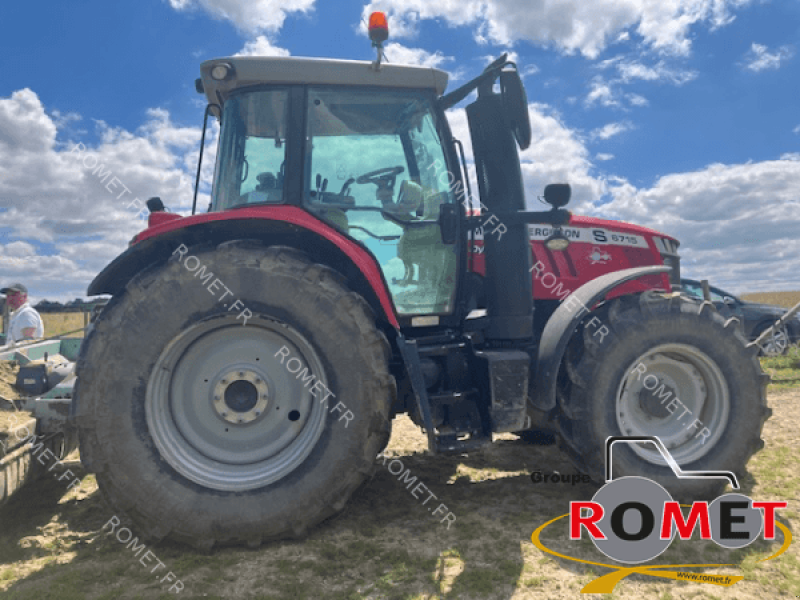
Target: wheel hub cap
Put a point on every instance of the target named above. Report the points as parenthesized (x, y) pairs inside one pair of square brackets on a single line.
[(225, 410), (680, 393), (240, 396)]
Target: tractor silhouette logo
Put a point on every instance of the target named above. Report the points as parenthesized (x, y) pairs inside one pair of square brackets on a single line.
[(633, 520), (599, 257)]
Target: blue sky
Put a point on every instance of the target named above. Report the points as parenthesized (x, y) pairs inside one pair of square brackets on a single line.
[(677, 114)]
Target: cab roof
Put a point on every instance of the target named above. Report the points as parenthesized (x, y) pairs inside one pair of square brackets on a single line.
[(248, 71)]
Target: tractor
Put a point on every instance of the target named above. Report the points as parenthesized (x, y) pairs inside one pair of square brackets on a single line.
[(245, 373)]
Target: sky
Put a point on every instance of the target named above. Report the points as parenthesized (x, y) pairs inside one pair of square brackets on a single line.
[(680, 115)]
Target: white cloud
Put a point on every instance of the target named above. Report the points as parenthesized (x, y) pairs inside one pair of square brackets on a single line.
[(631, 70), (601, 92), (607, 91), (512, 56), (570, 25), (737, 223), (637, 100), (402, 55), (556, 154), (261, 46), (250, 16), (63, 120), (610, 130), (79, 198), (796, 129), (759, 59), (603, 156), (19, 249)]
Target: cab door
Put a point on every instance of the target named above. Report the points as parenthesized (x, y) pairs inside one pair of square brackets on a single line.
[(375, 169)]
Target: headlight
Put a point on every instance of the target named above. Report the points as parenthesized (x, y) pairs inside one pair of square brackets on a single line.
[(221, 71)]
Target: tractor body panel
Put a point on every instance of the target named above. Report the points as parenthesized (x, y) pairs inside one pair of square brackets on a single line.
[(597, 246)]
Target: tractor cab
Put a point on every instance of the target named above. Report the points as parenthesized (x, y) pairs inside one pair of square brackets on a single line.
[(370, 155)]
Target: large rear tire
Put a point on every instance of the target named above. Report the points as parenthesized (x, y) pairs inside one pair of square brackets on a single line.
[(657, 348), (207, 430)]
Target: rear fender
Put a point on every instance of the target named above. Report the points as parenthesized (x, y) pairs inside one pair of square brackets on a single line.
[(286, 226), (562, 324)]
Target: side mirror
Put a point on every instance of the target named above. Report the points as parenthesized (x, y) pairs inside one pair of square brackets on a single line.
[(515, 103), (728, 300), (155, 204), (557, 195), (448, 223)]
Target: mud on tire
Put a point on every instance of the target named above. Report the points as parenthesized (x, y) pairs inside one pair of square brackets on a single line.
[(698, 357), (166, 360)]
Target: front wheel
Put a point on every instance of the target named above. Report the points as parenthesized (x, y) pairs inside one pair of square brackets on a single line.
[(669, 367), (208, 429)]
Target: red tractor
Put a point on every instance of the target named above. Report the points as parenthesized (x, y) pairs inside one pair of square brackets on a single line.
[(244, 376)]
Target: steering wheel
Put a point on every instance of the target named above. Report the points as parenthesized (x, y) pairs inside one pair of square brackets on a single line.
[(385, 180), (381, 176)]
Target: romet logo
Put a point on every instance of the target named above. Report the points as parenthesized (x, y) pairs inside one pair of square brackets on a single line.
[(633, 520)]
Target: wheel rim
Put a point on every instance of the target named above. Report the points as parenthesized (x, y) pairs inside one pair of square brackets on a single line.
[(776, 344), (225, 412), (643, 397)]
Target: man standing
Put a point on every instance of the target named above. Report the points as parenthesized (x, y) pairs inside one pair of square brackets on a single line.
[(25, 323)]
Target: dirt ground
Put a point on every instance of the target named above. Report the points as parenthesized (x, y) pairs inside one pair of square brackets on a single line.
[(387, 544)]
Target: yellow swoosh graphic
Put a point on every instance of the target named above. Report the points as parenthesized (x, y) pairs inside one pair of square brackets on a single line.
[(605, 583)]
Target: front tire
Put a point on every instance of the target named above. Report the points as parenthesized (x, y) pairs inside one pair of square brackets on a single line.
[(656, 349), (199, 428)]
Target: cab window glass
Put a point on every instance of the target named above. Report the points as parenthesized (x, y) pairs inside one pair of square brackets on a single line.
[(375, 170), (252, 157)]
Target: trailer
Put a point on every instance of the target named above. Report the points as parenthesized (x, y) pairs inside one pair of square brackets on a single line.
[(38, 426)]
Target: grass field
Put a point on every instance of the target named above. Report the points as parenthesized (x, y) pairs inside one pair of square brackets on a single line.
[(784, 370), (786, 299), (57, 323)]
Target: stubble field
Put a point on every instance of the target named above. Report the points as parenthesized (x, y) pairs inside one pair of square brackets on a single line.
[(56, 543), (785, 299), (58, 323)]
